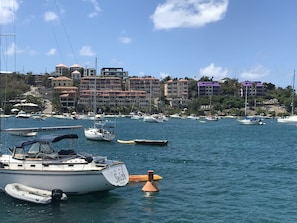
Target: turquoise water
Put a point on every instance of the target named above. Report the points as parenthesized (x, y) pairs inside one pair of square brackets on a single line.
[(212, 172)]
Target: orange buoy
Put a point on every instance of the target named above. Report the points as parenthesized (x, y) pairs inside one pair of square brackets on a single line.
[(150, 185)]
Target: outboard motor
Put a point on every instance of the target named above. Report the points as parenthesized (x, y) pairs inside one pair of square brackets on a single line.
[(57, 195)]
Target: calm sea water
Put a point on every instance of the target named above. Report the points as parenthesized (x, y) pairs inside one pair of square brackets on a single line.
[(212, 172)]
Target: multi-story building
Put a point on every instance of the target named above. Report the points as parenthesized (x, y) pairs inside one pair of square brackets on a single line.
[(102, 83), (109, 92), (75, 75), (75, 67), (118, 98), (208, 88), (176, 92), (113, 72), (65, 91), (62, 81), (89, 72), (148, 84), (252, 89), (67, 96), (176, 89), (61, 70)]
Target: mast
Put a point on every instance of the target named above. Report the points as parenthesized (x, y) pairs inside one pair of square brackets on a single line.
[(245, 101), (95, 93), (293, 94)]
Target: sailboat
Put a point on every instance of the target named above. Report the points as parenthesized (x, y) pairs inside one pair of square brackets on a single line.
[(98, 132), (246, 120), (292, 119)]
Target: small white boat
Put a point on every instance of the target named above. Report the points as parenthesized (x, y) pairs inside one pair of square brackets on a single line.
[(212, 118), (35, 195), (24, 133), (23, 114), (251, 121)]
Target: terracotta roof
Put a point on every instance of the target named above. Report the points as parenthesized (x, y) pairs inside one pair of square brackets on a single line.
[(75, 65), (61, 65), (62, 78)]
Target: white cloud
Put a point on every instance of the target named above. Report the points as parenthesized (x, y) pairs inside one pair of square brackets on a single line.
[(255, 73), (8, 9), (188, 13), (86, 51), (97, 9), (125, 39), (217, 73), (13, 50), (50, 16), (51, 52)]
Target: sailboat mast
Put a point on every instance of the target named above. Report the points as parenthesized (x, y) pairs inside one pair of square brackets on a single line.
[(245, 101), (95, 93), (293, 94)]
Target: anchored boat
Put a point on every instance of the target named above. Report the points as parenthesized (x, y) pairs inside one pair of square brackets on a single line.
[(37, 163)]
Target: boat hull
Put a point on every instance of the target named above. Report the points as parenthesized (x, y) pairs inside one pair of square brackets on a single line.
[(250, 122), (97, 135), (71, 181), (288, 120), (151, 142)]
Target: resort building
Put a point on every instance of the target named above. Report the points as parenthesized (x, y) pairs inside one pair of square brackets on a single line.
[(75, 67), (61, 70), (177, 89), (102, 83), (109, 93), (113, 72), (148, 84), (75, 75), (252, 88), (114, 98), (89, 72), (67, 96), (177, 92), (206, 88), (62, 81)]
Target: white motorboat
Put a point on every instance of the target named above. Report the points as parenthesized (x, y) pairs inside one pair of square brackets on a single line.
[(35, 195), (36, 163)]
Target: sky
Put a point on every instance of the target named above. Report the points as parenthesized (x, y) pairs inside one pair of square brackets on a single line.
[(249, 40)]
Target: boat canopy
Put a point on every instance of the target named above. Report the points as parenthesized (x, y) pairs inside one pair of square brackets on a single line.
[(45, 139)]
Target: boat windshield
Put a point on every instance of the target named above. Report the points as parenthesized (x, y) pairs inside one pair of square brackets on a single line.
[(40, 148)]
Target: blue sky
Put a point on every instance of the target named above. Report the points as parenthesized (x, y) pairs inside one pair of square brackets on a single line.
[(253, 40)]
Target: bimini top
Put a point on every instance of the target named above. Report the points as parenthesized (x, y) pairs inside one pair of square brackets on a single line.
[(46, 139)]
